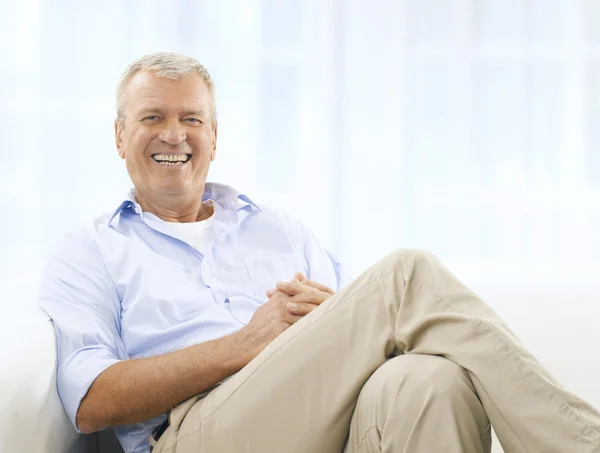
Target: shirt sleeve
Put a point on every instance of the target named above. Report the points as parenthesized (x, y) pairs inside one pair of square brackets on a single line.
[(82, 301)]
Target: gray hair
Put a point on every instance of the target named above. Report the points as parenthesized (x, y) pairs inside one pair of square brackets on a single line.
[(165, 64)]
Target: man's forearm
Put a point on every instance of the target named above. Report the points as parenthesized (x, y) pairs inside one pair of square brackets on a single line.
[(135, 390)]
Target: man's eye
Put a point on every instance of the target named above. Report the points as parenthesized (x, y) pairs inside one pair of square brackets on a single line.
[(193, 120), (150, 118)]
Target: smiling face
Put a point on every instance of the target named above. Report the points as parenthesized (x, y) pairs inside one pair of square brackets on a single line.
[(167, 138)]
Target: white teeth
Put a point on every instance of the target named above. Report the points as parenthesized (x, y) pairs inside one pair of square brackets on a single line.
[(171, 157)]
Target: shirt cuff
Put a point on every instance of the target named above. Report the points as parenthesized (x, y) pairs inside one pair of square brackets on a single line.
[(76, 375)]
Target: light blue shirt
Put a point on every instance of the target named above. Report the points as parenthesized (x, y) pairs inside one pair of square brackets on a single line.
[(128, 287)]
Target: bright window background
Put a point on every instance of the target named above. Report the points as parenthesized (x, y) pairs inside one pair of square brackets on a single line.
[(467, 127)]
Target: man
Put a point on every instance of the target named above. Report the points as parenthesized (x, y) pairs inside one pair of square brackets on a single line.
[(177, 322)]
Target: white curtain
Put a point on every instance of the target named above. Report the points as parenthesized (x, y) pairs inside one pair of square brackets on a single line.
[(467, 127)]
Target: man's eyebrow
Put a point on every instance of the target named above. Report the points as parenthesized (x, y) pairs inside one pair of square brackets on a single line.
[(193, 113), (149, 110)]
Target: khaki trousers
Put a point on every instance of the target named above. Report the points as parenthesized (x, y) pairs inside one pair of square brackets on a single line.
[(404, 359)]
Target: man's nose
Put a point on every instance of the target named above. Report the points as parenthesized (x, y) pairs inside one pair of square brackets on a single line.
[(173, 132)]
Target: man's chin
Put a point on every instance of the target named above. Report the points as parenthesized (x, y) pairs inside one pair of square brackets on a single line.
[(170, 187), (174, 190)]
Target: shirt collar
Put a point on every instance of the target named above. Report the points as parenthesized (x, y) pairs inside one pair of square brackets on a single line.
[(225, 196)]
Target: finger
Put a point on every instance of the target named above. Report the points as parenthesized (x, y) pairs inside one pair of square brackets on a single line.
[(288, 315), (291, 318), (300, 276), (271, 292), (299, 309), (318, 286), (292, 288), (279, 305), (314, 297)]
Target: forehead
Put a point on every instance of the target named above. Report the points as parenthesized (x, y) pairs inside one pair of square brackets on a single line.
[(146, 90)]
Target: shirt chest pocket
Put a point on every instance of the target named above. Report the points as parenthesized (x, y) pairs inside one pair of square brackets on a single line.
[(265, 270), (168, 291)]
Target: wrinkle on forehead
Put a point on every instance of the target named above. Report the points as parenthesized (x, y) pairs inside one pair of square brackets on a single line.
[(185, 109), (150, 92)]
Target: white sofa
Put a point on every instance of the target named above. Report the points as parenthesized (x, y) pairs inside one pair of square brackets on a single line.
[(32, 419), (558, 321)]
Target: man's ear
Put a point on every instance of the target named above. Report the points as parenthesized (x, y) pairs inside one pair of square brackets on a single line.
[(119, 138), (213, 153)]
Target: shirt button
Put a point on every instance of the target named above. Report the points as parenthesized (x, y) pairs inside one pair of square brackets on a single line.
[(205, 266)]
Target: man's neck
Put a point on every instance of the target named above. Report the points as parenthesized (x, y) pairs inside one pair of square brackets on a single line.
[(176, 208)]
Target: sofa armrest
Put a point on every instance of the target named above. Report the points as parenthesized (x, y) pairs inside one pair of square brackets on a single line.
[(32, 418)]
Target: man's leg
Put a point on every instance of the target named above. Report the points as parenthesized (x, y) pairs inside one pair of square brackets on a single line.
[(299, 394), (419, 403)]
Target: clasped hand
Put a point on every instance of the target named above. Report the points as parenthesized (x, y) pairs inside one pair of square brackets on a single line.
[(300, 295)]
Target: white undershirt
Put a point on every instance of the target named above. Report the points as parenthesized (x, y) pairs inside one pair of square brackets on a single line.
[(194, 233)]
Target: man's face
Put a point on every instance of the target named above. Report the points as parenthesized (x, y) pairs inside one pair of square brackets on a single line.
[(166, 136)]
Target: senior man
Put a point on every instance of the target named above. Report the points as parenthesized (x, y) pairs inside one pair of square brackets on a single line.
[(192, 319)]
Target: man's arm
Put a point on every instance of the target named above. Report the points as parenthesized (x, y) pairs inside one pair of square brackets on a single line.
[(135, 390), (99, 385), (131, 391)]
